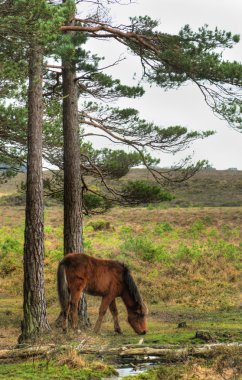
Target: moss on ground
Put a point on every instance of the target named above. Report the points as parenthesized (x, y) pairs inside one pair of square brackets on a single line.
[(37, 370)]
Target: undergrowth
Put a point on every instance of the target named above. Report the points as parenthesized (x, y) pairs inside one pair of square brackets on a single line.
[(224, 364), (186, 263), (177, 256)]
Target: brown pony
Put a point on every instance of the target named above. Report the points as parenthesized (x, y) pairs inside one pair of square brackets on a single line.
[(106, 278)]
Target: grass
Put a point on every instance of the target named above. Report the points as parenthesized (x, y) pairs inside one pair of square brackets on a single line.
[(186, 262), (189, 257), (65, 369)]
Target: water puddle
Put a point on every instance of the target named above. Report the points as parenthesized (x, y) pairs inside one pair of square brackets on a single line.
[(131, 371)]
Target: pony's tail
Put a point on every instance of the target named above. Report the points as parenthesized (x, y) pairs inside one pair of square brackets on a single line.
[(63, 292)]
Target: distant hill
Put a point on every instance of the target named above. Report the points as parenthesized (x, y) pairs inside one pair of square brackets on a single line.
[(207, 188)]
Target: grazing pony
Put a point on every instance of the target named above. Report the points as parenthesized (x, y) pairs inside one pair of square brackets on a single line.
[(106, 278)]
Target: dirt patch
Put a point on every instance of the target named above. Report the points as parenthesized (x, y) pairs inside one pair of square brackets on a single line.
[(8, 337), (175, 316)]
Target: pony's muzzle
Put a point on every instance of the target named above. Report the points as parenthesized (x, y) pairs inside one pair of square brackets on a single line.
[(143, 332)]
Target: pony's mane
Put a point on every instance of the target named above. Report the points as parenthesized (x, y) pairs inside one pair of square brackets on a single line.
[(132, 287)]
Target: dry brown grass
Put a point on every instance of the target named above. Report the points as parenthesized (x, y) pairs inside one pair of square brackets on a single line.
[(226, 365), (198, 372), (72, 360)]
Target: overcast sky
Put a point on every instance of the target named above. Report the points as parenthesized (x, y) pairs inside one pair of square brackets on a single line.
[(184, 106)]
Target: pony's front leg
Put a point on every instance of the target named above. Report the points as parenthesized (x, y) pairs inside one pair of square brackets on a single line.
[(114, 311), (102, 311)]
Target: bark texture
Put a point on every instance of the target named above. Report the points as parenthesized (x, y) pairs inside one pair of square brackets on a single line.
[(35, 319), (72, 179), (72, 174), (73, 241)]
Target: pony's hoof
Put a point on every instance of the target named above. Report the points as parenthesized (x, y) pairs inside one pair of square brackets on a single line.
[(119, 332)]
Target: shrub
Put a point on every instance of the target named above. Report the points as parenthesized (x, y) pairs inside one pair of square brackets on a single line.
[(55, 254), (140, 245), (163, 227), (196, 228), (207, 219), (143, 247), (184, 252), (87, 243), (95, 202), (100, 225), (10, 245), (8, 264), (140, 191), (48, 229), (13, 200), (126, 230)]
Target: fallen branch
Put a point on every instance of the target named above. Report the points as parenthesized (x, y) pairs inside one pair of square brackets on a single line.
[(22, 353), (176, 354), (147, 353)]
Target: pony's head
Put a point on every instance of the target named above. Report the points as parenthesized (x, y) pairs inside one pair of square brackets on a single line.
[(137, 319), (137, 311)]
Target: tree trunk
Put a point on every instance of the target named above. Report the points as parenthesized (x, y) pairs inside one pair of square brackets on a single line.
[(73, 241), (34, 320), (72, 179)]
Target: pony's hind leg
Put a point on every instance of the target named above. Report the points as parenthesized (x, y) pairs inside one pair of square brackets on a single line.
[(74, 303), (65, 314), (114, 311), (74, 312)]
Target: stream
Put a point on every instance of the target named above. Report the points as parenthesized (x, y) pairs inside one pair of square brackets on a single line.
[(131, 370)]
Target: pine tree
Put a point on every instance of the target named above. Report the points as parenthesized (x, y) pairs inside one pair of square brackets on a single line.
[(27, 35), (167, 60), (34, 305)]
